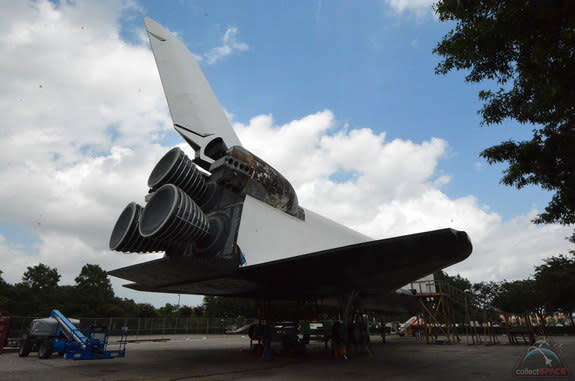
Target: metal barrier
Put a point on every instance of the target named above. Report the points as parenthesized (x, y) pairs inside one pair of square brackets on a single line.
[(138, 326)]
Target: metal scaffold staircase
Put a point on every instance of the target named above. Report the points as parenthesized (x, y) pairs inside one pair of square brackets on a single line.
[(448, 312)]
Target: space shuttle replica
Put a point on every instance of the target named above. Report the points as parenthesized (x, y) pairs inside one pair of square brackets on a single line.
[(231, 225)]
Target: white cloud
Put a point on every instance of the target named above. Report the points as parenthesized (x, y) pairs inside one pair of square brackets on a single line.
[(313, 149), (83, 113), (230, 45), (419, 8), (76, 102), (12, 258), (396, 190)]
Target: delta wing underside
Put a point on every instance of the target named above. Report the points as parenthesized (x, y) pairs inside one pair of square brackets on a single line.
[(371, 269)]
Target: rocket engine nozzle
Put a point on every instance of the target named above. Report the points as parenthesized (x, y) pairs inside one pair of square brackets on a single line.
[(175, 167), (126, 236), (172, 215)]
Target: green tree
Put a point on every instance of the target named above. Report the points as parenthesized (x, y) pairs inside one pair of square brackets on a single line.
[(67, 300), (198, 311), (95, 295), (128, 305), (37, 293), (168, 310), (146, 310), (94, 277), (41, 278), (115, 311), (521, 296), (456, 281), (94, 280), (486, 292), (228, 307), (185, 311), (6, 295), (527, 50), (556, 280)]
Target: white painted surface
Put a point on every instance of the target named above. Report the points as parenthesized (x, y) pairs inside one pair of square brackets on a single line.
[(268, 234), (191, 100), (423, 285)]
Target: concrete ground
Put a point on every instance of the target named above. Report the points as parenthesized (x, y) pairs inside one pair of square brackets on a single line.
[(221, 357)]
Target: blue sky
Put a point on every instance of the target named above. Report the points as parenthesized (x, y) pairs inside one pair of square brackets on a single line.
[(369, 64), (340, 96)]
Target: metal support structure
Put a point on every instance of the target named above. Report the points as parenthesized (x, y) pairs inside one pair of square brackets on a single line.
[(440, 316)]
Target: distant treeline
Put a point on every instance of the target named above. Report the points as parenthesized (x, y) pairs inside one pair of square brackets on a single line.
[(550, 291), (92, 296)]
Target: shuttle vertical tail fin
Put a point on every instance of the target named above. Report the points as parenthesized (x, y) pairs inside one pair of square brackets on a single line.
[(195, 110)]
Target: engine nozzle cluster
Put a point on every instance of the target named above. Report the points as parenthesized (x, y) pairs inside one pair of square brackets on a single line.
[(172, 216)]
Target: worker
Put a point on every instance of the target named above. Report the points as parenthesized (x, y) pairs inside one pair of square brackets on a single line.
[(353, 335), (266, 335), (382, 332), (364, 336), (305, 330), (338, 347)]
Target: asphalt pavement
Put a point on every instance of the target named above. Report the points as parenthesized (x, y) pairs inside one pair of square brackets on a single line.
[(228, 357)]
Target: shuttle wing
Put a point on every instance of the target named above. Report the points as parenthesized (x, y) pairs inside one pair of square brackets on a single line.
[(374, 268)]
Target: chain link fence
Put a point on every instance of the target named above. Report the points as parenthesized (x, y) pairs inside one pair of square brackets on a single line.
[(138, 327)]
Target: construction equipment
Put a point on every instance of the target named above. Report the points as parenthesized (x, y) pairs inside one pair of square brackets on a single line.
[(4, 326), (411, 326), (60, 334)]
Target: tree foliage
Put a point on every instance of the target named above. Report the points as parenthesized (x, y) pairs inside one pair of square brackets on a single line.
[(93, 278), (6, 294), (198, 311), (168, 310), (95, 292), (38, 290), (147, 310), (185, 311), (456, 281), (215, 306), (91, 296), (527, 48), (556, 280), (41, 278), (486, 293), (521, 296)]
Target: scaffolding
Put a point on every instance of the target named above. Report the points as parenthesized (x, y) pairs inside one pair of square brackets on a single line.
[(448, 312)]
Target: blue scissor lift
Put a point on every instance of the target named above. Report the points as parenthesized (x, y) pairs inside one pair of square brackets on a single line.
[(67, 339)]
